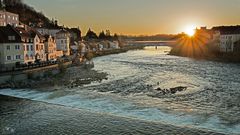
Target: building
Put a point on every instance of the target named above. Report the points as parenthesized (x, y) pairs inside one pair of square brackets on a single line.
[(63, 41), (28, 45), (46, 31), (75, 35), (204, 34), (228, 40), (8, 18), (237, 46), (114, 45), (51, 48), (39, 47), (34, 49), (11, 48)]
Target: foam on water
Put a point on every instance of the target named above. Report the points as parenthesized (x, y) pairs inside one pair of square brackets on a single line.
[(124, 109)]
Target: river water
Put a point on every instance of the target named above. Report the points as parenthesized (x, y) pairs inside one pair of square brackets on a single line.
[(128, 103)]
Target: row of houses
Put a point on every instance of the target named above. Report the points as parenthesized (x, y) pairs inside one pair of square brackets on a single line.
[(226, 39), (21, 44), (25, 45)]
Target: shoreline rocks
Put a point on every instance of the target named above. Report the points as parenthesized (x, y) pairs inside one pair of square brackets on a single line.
[(72, 77)]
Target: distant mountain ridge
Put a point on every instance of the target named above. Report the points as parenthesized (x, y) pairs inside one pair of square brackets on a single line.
[(28, 15)]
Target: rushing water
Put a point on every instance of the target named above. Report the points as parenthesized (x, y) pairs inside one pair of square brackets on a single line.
[(210, 103)]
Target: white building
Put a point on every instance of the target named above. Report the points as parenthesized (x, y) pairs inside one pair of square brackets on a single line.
[(28, 45), (100, 47), (114, 45), (228, 39), (8, 18), (63, 41), (11, 48)]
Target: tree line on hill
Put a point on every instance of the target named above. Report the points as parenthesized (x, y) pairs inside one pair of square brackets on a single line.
[(158, 37), (28, 15), (91, 35)]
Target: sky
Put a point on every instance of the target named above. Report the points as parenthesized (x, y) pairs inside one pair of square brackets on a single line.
[(140, 17)]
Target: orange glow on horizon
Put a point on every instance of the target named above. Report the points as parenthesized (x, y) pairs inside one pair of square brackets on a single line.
[(192, 46)]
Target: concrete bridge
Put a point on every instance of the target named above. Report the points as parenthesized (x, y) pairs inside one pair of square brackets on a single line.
[(151, 43)]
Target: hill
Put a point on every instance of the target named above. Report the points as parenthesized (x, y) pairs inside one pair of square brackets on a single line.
[(28, 15)]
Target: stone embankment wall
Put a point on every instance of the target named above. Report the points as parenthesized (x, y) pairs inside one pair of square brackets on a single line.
[(18, 76)]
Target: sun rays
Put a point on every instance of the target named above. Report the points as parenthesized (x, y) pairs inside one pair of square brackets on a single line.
[(192, 46)]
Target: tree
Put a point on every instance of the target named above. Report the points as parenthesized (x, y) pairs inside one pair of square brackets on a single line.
[(115, 37), (1, 5), (102, 35), (108, 35), (12, 2), (91, 35)]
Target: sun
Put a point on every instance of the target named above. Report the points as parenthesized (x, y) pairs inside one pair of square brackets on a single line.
[(190, 30)]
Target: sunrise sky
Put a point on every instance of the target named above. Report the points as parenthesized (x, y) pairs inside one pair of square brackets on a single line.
[(140, 17)]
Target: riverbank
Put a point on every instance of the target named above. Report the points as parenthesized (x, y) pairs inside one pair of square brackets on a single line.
[(120, 50), (72, 76), (207, 55)]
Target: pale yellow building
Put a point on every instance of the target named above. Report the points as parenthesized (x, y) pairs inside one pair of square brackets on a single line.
[(51, 48)]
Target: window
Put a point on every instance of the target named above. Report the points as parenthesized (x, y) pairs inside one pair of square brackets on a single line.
[(62, 41), (8, 47), (9, 58), (27, 47), (30, 40), (27, 57), (11, 38), (31, 47), (17, 47), (18, 57), (9, 17), (4, 16)]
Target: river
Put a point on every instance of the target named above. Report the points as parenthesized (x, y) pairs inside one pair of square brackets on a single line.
[(127, 101)]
